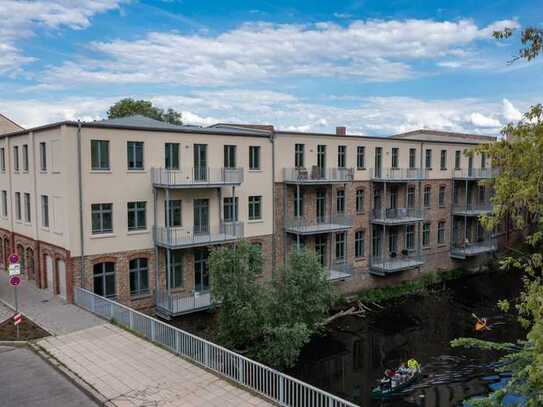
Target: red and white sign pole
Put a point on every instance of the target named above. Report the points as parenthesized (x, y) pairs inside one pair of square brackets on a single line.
[(14, 281)]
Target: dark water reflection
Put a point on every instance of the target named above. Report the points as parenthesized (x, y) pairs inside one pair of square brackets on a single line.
[(350, 360)]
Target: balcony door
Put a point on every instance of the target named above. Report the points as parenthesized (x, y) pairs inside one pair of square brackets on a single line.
[(200, 162), (201, 270), (378, 161), (376, 241), (321, 160), (320, 249), (321, 206), (201, 216)]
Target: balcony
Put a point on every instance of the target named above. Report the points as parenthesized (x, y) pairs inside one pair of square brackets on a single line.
[(314, 226), (317, 175), (204, 177), (477, 209), (461, 251), (339, 271), (173, 305), (386, 265), (474, 173), (397, 216), (398, 174), (182, 237)]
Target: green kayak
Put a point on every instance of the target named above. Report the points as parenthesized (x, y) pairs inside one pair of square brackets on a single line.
[(380, 393)]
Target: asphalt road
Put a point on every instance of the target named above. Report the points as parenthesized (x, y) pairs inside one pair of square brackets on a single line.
[(26, 380)]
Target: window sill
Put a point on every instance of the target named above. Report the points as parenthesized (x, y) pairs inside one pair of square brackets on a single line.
[(43, 171), (45, 229), (55, 172), (138, 232), (427, 248), (102, 235), (255, 170), (361, 213), (139, 297), (136, 171), (361, 169), (441, 245), (27, 223), (443, 169), (360, 258), (256, 221), (19, 221), (25, 171), (100, 171)]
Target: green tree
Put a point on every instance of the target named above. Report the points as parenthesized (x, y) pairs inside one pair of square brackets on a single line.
[(518, 199), (129, 107), (270, 322)]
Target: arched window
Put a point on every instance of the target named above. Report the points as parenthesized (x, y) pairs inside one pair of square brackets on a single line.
[(139, 276), (104, 279)]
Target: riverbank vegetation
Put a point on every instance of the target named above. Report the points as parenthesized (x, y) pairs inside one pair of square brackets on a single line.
[(268, 322), (419, 286), (518, 200)]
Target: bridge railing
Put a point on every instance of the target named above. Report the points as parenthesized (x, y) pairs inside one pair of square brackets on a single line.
[(270, 383)]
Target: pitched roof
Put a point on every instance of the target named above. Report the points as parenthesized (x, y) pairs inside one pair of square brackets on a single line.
[(444, 134), (139, 121), (7, 125)]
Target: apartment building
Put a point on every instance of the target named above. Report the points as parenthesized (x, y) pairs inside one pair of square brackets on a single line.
[(129, 208)]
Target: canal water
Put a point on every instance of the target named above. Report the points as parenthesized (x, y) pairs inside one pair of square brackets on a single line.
[(349, 361)]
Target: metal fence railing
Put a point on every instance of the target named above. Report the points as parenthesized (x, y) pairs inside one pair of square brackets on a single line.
[(396, 214), (180, 303), (197, 176), (473, 207), (304, 224), (270, 383), (474, 173), (317, 174), (396, 261), (398, 174), (197, 235)]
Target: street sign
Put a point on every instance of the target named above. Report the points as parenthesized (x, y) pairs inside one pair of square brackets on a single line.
[(14, 269), (14, 281), (13, 258), (17, 319)]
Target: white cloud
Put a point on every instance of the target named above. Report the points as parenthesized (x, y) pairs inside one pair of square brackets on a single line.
[(20, 18), (480, 120), (372, 116), (371, 50), (510, 112)]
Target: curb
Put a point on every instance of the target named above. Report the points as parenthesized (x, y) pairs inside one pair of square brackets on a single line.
[(15, 344), (85, 387)]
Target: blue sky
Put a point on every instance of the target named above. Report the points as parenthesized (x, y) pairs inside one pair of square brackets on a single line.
[(377, 67)]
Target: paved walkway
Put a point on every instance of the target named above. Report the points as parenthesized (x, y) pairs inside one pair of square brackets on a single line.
[(130, 371), (47, 310), (29, 381)]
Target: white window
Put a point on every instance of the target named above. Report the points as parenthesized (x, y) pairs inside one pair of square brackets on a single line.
[(43, 156), (254, 157), (255, 207), (27, 207), (135, 155), (102, 218), (45, 211), (100, 155)]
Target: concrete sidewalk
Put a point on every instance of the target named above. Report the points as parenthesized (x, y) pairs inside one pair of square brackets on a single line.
[(130, 371), (47, 310)]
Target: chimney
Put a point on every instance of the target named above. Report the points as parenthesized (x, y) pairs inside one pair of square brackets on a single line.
[(341, 130)]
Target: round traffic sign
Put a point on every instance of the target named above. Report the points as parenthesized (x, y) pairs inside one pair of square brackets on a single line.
[(14, 281), (13, 258)]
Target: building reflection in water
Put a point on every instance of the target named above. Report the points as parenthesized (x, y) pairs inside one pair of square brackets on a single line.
[(350, 360)]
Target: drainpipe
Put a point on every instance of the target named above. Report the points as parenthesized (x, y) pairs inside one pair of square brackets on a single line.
[(80, 187), (274, 216)]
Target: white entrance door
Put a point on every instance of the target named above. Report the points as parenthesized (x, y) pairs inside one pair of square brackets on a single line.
[(61, 267), (49, 273)]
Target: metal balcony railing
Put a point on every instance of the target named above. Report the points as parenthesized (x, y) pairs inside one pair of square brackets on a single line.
[(395, 262), (317, 175), (474, 173), (470, 249), (199, 177), (179, 237), (175, 304), (472, 209), (397, 215), (306, 225), (398, 174), (339, 271)]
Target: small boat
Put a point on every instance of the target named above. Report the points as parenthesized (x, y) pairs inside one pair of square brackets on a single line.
[(381, 392)]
